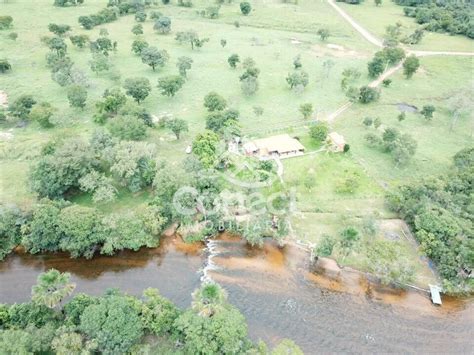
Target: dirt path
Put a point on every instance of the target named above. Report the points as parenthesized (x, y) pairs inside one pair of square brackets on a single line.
[(377, 42), (3, 99), (366, 34)]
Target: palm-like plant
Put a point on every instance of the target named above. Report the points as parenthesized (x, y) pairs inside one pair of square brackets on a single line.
[(208, 299), (52, 287)]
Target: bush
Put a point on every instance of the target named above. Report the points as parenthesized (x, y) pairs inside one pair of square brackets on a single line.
[(245, 8), (127, 128), (5, 22), (319, 132), (368, 94), (5, 66)]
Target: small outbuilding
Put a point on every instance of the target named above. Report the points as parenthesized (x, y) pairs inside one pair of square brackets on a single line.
[(336, 142), (282, 146)]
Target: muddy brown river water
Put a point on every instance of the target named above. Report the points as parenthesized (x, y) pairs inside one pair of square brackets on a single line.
[(274, 289)]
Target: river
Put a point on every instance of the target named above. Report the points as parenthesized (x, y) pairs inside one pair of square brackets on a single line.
[(334, 311)]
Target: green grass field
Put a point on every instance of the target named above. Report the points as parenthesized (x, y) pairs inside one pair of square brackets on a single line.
[(437, 81)]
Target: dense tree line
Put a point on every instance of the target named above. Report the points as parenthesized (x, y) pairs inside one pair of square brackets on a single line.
[(439, 210), (114, 9), (117, 323), (453, 17), (54, 226)]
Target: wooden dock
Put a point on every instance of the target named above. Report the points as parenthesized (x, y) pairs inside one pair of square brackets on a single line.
[(435, 294)]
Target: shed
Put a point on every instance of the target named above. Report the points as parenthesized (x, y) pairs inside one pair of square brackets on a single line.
[(336, 141)]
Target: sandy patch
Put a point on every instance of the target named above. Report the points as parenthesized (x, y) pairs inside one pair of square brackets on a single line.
[(334, 50), (3, 99), (335, 46), (6, 136)]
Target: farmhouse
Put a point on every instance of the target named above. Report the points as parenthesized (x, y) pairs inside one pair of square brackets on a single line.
[(281, 145)]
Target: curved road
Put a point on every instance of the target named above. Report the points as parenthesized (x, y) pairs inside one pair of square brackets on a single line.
[(377, 42)]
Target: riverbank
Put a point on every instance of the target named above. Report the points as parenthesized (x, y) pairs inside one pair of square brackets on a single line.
[(274, 287)]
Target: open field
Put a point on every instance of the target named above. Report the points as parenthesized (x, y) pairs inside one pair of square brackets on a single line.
[(376, 19), (439, 79)]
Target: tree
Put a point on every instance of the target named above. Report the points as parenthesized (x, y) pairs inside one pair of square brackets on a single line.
[(138, 45), (285, 347), (386, 82), (298, 78), (42, 114), (11, 221), (377, 122), (60, 170), (99, 185), (137, 29), (138, 88), (184, 64), (5, 22), (392, 35), (5, 65), (378, 2), (162, 25), (113, 322), (387, 261), (113, 101), (81, 231), (214, 102), (410, 66), (319, 132), (192, 38), (51, 288), (22, 106), (170, 85), (177, 126), (158, 313), (428, 111), (59, 30), (140, 16), (99, 63), (205, 147), (368, 94), (325, 246), (134, 164), (297, 62), (306, 110), (79, 41), (223, 42), (57, 44), (367, 121), (43, 229), (154, 57), (220, 121), (127, 127), (77, 96), (323, 33), (103, 45), (349, 236), (258, 110), (401, 117), (233, 60), (245, 8), (376, 67), (212, 326)]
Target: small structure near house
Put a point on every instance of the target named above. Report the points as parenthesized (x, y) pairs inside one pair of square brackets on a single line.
[(435, 294), (336, 141), (282, 146)]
